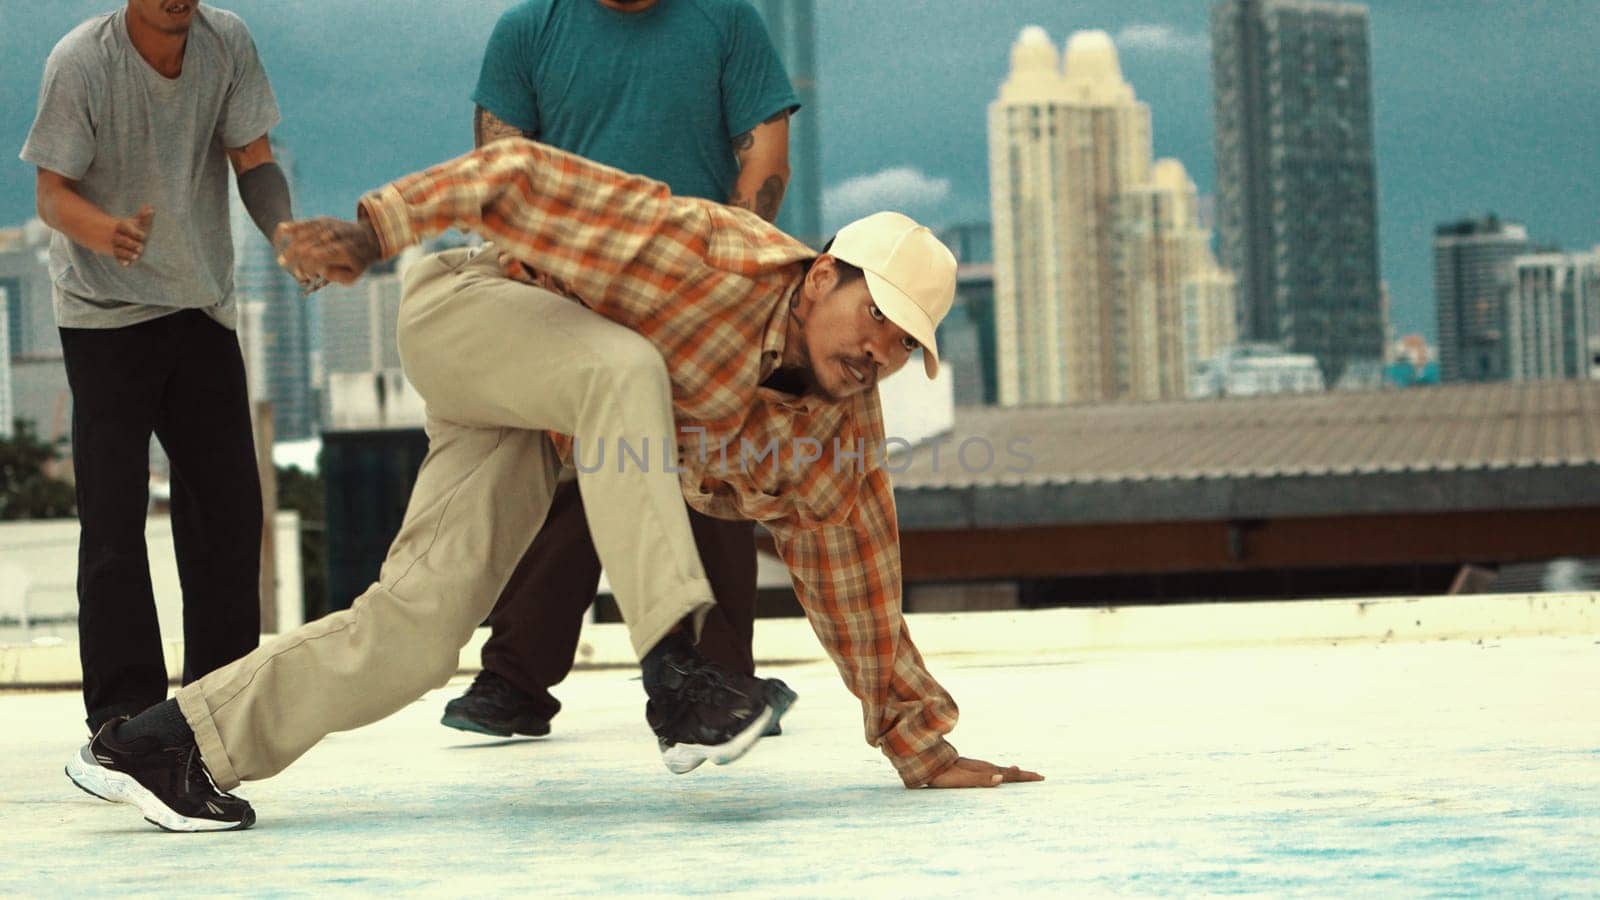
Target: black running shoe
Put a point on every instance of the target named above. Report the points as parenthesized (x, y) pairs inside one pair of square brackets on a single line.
[(169, 784), (493, 705), (701, 711)]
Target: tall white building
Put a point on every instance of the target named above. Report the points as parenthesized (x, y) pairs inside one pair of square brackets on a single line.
[(1552, 313), (1093, 245), (1210, 325), (1064, 138), (1158, 246)]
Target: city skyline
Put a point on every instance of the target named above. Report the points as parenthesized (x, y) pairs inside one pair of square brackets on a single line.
[(1473, 112)]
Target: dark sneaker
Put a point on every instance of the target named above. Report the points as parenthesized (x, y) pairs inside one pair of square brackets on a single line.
[(701, 711), (493, 705), (169, 784)]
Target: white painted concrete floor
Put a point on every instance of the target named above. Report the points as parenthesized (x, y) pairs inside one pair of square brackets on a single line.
[(1399, 769)]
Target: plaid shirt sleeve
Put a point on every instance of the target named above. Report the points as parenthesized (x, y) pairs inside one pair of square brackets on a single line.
[(607, 236), (847, 577)]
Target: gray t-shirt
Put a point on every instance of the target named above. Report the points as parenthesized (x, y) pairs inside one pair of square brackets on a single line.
[(128, 137)]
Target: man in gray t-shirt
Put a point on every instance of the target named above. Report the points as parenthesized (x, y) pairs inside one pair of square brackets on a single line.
[(141, 112)]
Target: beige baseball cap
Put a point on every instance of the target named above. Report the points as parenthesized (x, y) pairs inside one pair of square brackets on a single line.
[(910, 274)]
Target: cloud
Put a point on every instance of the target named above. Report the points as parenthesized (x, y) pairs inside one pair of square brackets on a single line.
[(1161, 38), (898, 188)]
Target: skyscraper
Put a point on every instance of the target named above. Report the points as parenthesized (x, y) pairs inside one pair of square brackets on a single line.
[(1093, 245), (1210, 326), (1553, 315), (1471, 260), (1062, 143), (1296, 176), (792, 24), (1157, 246), (282, 343)]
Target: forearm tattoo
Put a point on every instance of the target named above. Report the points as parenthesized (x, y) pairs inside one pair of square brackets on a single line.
[(770, 194), (766, 201), (488, 128), (769, 197)]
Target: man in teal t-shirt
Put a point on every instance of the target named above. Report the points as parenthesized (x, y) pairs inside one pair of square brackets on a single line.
[(667, 89), (689, 92)]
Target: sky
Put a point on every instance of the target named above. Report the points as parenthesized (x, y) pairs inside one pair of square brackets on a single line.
[(1479, 105)]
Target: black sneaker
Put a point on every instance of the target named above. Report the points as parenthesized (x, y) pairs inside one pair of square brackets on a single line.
[(701, 711), (169, 784), (493, 705)]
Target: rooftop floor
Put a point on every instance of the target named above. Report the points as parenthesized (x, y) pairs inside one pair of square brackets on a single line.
[(1407, 768)]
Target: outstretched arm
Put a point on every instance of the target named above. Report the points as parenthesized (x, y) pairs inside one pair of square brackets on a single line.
[(594, 228), (847, 577)]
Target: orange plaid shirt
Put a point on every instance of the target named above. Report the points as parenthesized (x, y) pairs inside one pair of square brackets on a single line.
[(709, 286)]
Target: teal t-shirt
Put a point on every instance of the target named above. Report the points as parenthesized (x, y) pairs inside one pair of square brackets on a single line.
[(660, 93)]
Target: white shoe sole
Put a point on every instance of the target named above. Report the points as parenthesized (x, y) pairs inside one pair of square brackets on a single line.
[(681, 759), (117, 787)]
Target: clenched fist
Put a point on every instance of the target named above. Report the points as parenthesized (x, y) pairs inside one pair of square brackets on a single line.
[(129, 234)]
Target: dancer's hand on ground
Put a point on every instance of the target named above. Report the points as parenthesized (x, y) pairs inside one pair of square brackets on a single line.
[(316, 251), (967, 773)]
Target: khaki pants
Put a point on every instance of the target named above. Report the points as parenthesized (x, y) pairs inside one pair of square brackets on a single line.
[(497, 362)]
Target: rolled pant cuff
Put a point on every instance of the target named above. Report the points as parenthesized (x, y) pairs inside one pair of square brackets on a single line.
[(666, 611), (918, 769), (192, 702)]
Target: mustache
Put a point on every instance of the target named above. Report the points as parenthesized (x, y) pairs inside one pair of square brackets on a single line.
[(864, 366)]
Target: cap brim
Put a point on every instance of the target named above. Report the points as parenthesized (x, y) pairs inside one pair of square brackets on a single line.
[(903, 311)]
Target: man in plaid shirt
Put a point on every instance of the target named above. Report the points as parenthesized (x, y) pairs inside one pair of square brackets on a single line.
[(766, 408)]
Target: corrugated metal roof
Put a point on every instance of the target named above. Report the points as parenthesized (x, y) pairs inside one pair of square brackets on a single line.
[(1444, 429)]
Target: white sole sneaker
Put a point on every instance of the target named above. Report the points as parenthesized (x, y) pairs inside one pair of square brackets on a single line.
[(681, 759), (92, 778)]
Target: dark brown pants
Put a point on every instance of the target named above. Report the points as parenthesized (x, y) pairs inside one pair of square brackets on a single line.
[(534, 627)]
